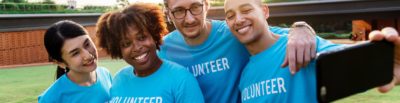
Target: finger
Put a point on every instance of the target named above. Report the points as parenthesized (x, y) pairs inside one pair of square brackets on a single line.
[(314, 50), (389, 30), (386, 88), (307, 54), (292, 58), (285, 62), (300, 54), (390, 34), (297, 69), (376, 35)]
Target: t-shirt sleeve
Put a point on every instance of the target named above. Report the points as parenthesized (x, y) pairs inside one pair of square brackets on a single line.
[(44, 98), (161, 54), (189, 91), (325, 45), (108, 74)]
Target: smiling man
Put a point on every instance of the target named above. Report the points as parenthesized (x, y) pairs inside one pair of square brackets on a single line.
[(263, 80), (210, 52)]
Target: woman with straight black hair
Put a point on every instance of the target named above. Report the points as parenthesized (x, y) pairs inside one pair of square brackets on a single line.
[(78, 77)]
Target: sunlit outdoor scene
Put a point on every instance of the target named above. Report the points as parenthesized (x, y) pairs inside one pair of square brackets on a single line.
[(27, 69)]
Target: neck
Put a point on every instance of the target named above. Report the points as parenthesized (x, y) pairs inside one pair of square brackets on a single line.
[(82, 79), (149, 71), (261, 43), (204, 33)]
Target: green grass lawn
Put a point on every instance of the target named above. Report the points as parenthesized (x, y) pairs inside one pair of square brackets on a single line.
[(24, 84)]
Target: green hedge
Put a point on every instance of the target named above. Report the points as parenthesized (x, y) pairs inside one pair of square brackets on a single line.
[(334, 35), (221, 2), (33, 8), (30, 7)]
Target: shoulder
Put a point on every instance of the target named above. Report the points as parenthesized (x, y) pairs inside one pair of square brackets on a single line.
[(125, 71), (53, 93), (174, 66), (221, 23), (171, 36), (326, 45), (172, 39), (103, 71), (279, 30), (176, 70), (220, 26)]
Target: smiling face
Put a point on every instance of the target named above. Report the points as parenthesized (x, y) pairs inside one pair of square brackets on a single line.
[(79, 54), (188, 16), (139, 50), (246, 19)]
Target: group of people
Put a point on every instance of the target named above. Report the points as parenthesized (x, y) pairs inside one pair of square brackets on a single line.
[(241, 59)]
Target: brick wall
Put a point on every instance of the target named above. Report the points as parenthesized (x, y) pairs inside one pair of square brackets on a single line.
[(26, 47)]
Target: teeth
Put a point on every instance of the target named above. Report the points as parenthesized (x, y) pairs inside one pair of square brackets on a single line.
[(244, 29), (141, 56), (89, 62)]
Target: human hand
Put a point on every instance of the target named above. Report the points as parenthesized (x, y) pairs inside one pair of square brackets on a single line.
[(391, 35), (301, 46)]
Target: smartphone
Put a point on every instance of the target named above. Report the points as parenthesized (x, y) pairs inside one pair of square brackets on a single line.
[(355, 69)]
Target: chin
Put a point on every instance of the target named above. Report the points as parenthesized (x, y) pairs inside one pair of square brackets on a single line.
[(191, 34)]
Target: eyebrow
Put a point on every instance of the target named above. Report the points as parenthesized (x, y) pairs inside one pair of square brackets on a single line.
[(86, 41), (244, 5), (195, 3), (241, 6), (76, 49)]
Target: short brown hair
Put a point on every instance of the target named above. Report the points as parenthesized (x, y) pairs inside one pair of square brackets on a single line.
[(113, 27)]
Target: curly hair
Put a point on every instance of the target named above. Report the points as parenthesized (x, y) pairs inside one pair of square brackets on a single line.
[(113, 27)]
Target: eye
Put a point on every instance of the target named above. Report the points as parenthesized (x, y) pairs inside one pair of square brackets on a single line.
[(141, 37), (75, 53), (196, 7), (125, 44), (86, 45), (247, 10), (178, 11), (230, 16)]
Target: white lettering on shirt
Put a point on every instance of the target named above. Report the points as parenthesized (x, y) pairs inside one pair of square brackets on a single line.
[(213, 66), (264, 88), (157, 99)]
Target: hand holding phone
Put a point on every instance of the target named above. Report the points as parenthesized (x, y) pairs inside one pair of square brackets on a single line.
[(355, 69)]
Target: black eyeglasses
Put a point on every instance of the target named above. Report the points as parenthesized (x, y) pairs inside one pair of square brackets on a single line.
[(181, 12)]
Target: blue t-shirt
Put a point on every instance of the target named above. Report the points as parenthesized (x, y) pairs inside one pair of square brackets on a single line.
[(63, 90), (264, 81), (171, 83), (216, 63)]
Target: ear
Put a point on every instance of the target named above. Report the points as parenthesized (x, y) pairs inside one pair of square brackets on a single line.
[(61, 64), (266, 11), (207, 4), (166, 13)]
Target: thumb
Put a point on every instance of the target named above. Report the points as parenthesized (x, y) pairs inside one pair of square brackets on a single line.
[(386, 88)]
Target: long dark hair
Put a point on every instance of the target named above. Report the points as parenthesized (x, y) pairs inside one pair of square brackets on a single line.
[(55, 37)]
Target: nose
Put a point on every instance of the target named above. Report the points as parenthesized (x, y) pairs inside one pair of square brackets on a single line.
[(136, 46), (87, 55), (189, 18), (239, 20)]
